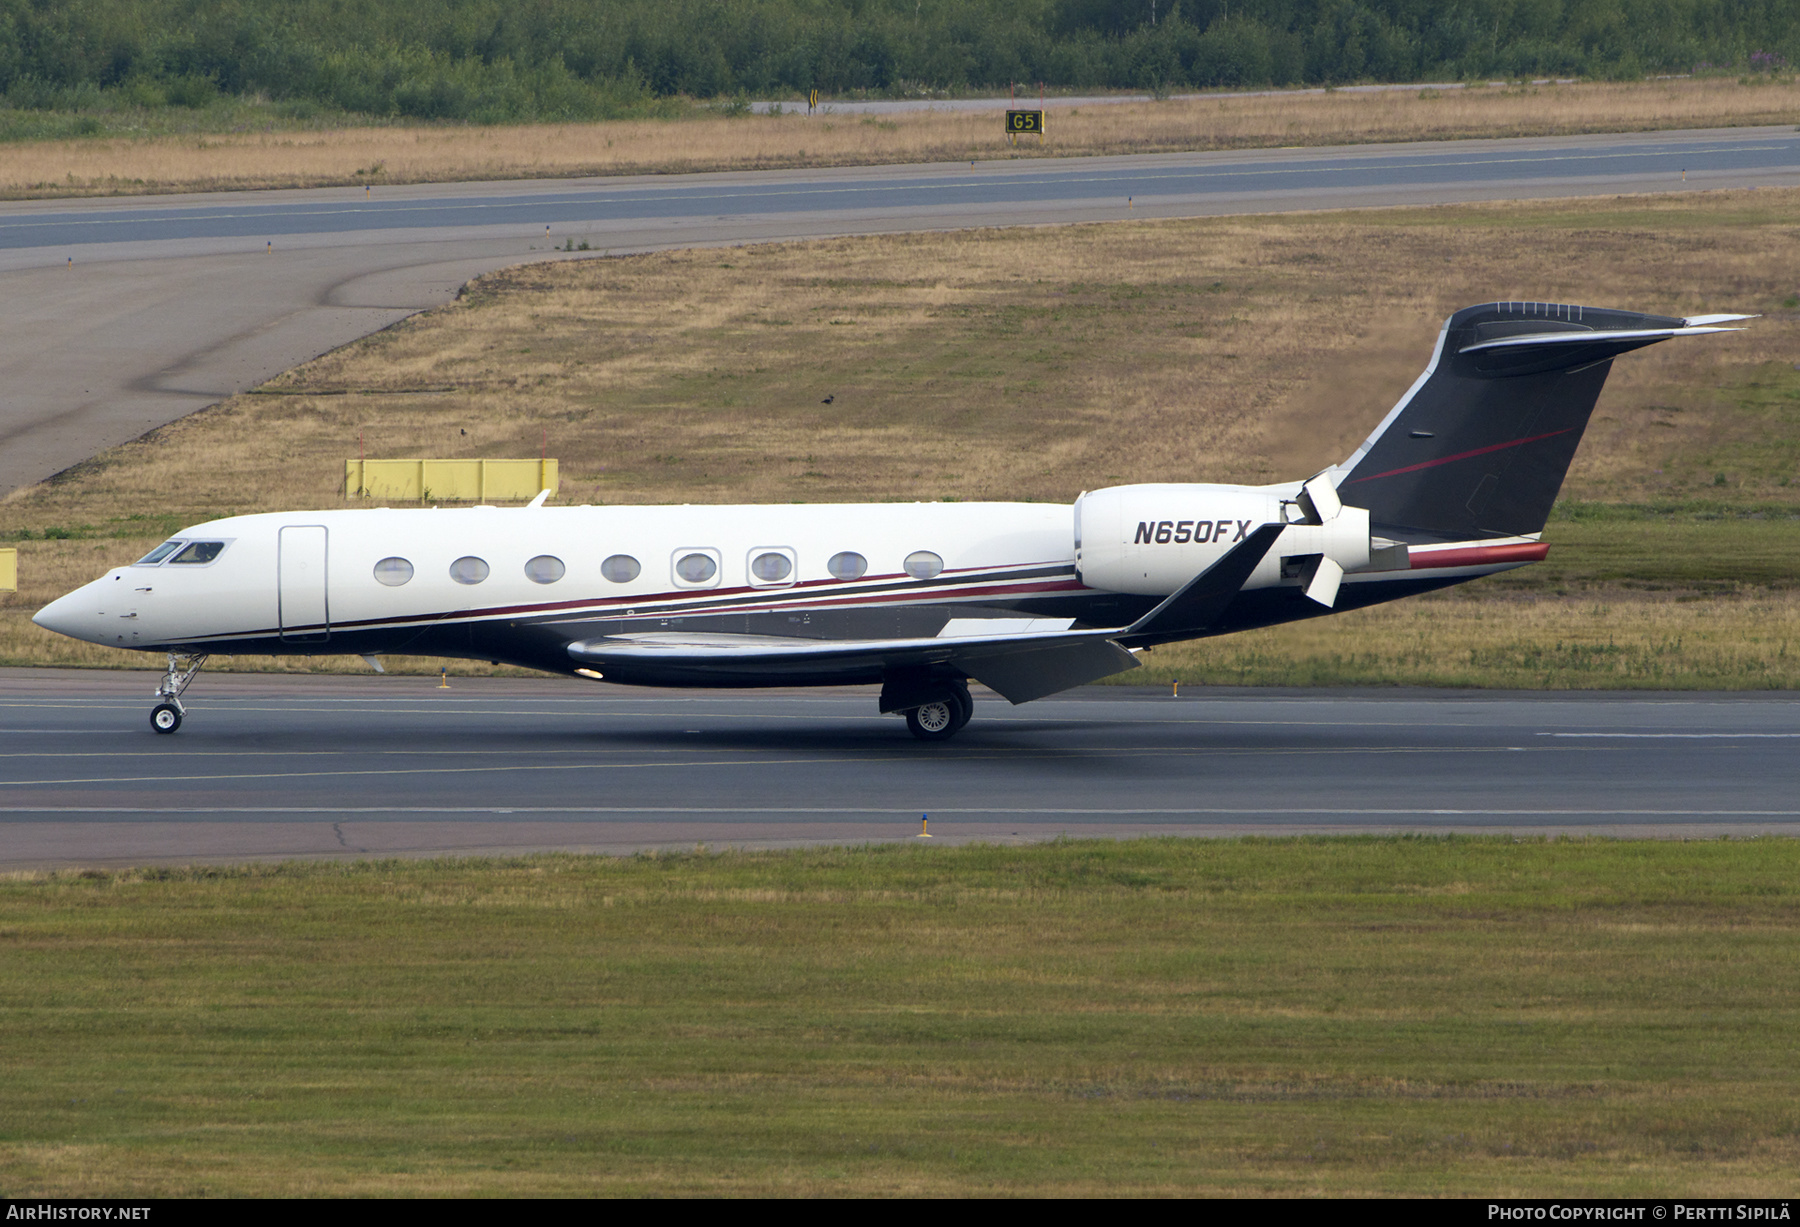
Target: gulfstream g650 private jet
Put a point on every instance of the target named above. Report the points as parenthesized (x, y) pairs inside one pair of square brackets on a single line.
[(1455, 483)]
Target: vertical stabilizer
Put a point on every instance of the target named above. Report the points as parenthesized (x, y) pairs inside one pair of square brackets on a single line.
[(1480, 444)]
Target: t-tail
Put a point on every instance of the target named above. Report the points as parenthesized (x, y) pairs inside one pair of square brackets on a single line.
[(1479, 446)]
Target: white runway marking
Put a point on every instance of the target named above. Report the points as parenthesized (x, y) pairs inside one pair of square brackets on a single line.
[(935, 810), (1675, 736), (856, 758)]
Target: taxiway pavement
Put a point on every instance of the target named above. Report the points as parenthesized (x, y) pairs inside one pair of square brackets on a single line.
[(271, 766), (121, 314)]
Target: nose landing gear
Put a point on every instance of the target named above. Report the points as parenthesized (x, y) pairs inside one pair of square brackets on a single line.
[(166, 716)]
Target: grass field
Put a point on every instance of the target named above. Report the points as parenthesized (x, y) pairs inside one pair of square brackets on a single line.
[(285, 152), (1035, 363), (1470, 1017)]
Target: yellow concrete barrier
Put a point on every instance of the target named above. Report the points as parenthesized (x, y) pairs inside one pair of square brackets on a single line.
[(9, 569), (449, 481)]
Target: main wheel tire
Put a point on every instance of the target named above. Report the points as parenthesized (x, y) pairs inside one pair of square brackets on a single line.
[(934, 721), (965, 706), (165, 717)]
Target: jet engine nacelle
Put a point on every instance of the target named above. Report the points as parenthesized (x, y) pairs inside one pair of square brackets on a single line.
[(1152, 539)]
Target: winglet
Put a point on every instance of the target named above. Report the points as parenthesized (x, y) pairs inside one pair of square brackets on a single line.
[(1199, 604), (539, 500)]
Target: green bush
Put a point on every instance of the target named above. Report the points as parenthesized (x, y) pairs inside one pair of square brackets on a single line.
[(492, 60)]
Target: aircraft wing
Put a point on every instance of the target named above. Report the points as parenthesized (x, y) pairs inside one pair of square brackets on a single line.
[(1020, 664)]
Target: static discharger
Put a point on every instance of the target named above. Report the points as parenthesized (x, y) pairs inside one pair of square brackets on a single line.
[(924, 826)]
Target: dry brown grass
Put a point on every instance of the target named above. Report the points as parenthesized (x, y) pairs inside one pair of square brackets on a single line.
[(994, 364), (356, 156)]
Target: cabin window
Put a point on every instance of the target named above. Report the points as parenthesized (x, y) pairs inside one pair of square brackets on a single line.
[(923, 564), (696, 568), (158, 554), (772, 567), (545, 569), (621, 568), (847, 565), (468, 570), (393, 572), (199, 552)]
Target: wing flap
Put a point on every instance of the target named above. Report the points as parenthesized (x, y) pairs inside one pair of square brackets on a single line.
[(1020, 677)]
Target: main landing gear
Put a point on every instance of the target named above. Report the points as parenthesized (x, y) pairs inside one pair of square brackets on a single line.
[(166, 716), (941, 719)]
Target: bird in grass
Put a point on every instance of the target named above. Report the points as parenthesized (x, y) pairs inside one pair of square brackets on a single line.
[(462, 432), (829, 399)]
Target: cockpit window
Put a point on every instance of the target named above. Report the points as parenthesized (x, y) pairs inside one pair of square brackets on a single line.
[(199, 551), (158, 554)]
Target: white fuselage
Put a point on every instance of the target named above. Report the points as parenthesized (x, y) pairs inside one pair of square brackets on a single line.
[(520, 583)]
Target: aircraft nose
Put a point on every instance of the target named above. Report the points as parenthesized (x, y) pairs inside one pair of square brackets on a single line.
[(75, 615)]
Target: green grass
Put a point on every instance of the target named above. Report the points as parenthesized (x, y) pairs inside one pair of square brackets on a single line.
[(1463, 1016), (1691, 548)]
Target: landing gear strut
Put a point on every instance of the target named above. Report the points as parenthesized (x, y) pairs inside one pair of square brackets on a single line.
[(166, 716), (941, 719)]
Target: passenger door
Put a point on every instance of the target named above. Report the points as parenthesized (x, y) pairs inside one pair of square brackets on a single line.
[(305, 609)]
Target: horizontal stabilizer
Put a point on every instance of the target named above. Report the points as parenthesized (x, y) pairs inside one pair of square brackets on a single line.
[(1199, 604), (1533, 353)]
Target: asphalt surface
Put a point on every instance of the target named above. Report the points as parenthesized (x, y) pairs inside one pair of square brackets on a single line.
[(349, 766), (121, 314)]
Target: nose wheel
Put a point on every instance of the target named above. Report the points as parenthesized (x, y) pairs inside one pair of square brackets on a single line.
[(166, 716)]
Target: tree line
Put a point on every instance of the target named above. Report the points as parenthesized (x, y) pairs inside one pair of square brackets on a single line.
[(509, 60)]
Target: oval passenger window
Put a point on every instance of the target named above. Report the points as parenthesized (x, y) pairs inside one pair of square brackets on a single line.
[(847, 565), (696, 568), (923, 564), (771, 567), (200, 551), (621, 568), (393, 571), (468, 570), (545, 569)]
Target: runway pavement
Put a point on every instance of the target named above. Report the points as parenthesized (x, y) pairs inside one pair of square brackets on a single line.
[(122, 314), (270, 766)]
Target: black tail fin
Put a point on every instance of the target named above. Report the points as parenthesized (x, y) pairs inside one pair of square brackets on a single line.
[(1480, 445)]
